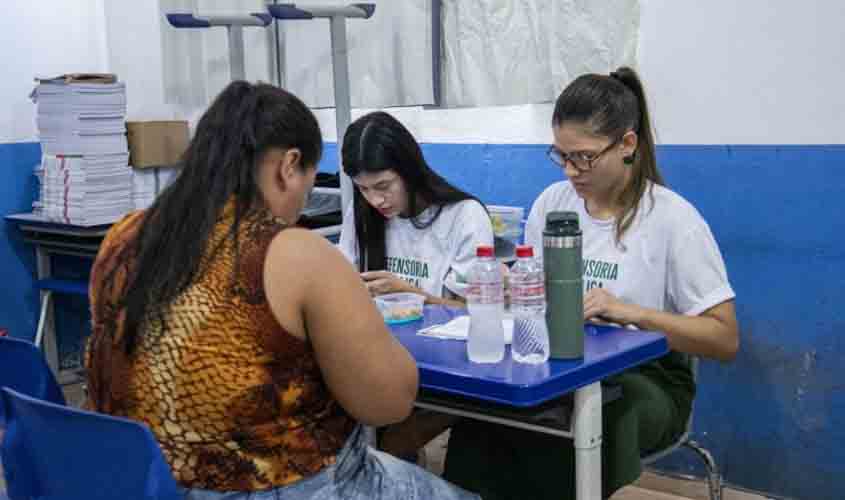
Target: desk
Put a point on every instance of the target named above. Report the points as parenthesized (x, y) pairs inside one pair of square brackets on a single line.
[(59, 238), (55, 238), (523, 396)]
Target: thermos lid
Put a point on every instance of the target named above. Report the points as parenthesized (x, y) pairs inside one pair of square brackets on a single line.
[(562, 224)]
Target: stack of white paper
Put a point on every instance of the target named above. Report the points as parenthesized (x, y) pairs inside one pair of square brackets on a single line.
[(143, 187), (85, 190), (165, 176), (85, 178), (81, 118), (148, 183)]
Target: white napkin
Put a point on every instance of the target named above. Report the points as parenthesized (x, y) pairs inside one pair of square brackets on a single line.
[(458, 329)]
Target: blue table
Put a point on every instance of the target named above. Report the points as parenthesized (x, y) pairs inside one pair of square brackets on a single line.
[(444, 368)]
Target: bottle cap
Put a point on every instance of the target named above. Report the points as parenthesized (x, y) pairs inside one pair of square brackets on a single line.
[(524, 251), (484, 251)]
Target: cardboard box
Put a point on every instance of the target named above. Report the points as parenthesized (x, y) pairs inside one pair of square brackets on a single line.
[(156, 143)]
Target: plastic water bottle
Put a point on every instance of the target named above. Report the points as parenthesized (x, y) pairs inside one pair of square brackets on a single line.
[(486, 302), (528, 305)]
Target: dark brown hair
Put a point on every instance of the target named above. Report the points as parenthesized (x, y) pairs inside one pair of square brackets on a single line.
[(610, 106)]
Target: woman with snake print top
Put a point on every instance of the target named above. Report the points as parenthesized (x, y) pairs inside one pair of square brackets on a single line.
[(230, 333)]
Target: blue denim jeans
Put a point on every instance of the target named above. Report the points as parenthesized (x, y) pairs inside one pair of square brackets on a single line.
[(360, 473)]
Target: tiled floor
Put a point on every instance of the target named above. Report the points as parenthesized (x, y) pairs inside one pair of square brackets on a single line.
[(635, 493), (680, 489)]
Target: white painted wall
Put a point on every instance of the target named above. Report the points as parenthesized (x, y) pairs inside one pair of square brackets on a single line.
[(134, 54), (44, 39), (718, 72), (745, 71), (529, 124)]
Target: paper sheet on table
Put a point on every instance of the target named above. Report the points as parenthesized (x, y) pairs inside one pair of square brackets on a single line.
[(458, 329)]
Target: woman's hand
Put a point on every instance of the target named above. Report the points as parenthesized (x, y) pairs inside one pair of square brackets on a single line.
[(713, 333), (383, 282), (601, 306)]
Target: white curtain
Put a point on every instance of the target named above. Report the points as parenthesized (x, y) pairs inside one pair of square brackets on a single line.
[(196, 61), (389, 56), (503, 52), (494, 52)]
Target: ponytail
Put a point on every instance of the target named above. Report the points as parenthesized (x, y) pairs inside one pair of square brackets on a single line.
[(612, 106)]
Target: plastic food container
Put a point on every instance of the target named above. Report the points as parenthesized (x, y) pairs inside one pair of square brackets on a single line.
[(507, 221), (397, 308), (507, 229)]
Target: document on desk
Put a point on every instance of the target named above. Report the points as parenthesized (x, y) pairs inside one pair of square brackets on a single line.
[(458, 329)]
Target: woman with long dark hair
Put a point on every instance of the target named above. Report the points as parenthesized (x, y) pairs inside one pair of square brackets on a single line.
[(227, 330), (408, 230), (650, 262)]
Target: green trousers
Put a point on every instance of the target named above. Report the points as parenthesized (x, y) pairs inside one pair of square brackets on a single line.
[(504, 463)]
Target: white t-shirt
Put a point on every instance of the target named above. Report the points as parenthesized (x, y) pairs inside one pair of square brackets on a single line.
[(668, 259), (424, 257)]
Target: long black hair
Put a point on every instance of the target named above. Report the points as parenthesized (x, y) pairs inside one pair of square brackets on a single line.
[(242, 123), (377, 142), (610, 106)]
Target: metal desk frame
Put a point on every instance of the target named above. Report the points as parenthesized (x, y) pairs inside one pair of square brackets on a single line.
[(53, 238), (449, 389)]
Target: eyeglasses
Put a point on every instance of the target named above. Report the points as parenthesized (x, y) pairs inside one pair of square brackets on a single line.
[(581, 160)]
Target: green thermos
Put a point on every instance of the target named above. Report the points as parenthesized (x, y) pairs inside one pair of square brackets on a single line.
[(564, 287)]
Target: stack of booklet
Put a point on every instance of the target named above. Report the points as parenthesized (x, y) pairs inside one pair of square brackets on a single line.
[(84, 173), (85, 190)]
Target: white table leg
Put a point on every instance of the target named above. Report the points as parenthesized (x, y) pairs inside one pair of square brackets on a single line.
[(587, 430), (51, 347)]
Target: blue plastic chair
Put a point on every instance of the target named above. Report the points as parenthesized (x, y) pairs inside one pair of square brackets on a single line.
[(61, 453), (24, 369)]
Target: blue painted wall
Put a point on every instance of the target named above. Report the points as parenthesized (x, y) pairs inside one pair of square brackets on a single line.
[(774, 417), (18, 297)]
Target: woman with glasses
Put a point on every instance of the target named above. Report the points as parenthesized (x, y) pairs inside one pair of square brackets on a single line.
[(650, 262), (408, 230)]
